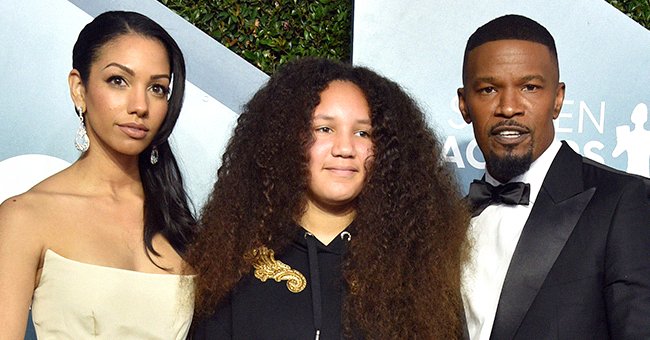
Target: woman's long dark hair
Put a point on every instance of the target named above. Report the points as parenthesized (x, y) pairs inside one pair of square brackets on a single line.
[(402, 269), (166, 204)]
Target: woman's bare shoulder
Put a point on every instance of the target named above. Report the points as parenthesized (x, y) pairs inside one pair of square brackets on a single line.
[(33, 208), (19, 216)]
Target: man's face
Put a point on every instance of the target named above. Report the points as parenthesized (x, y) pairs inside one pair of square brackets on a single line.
[(511, 94)]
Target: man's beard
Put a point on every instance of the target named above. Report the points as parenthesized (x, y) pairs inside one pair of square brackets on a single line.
[(505, 168)]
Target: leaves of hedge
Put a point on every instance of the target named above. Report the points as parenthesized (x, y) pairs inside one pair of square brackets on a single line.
[(639, 10), (268, 33)]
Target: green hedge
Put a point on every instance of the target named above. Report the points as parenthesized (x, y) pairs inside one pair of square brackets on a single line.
[(638, 10), (267, 33)]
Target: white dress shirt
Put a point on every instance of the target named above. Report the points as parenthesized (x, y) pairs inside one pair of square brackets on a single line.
[(494, 235)]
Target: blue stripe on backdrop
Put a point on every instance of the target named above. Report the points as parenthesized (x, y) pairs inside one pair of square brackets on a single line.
[(210, 65)]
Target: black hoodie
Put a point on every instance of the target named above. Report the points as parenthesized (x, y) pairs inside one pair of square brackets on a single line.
[(268, 310)]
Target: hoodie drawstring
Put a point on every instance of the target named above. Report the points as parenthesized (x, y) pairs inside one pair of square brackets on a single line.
[(314, 278)]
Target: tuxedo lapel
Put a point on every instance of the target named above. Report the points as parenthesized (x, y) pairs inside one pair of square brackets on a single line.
[(556, 211)]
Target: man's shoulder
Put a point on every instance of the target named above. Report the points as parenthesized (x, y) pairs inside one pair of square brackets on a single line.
[(598, 174)]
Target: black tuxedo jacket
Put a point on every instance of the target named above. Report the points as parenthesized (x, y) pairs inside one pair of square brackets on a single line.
[(581, 268)]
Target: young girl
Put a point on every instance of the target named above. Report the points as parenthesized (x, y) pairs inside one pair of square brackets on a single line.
[(333, 216)]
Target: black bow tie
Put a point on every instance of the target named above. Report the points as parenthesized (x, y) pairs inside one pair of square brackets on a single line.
[(482, 194)]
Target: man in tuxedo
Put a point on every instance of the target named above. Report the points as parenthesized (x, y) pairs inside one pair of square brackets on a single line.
[(561, 244)]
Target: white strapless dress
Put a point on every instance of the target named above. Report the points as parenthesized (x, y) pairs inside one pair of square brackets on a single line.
[(76, 300)]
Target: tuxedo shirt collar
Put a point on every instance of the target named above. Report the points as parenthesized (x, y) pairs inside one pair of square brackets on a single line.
[(536, 173)]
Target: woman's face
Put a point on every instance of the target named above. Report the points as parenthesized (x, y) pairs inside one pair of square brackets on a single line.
[(125, 96), (341, 128)]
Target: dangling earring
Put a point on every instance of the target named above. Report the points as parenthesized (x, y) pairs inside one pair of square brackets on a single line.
[(154, 155), (81, 141)]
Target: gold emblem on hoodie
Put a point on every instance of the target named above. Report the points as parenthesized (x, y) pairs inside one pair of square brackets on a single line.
[(266, 266)]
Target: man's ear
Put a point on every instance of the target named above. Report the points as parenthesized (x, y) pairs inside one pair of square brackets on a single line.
[(77, 90), (462, 106), (559, 99)]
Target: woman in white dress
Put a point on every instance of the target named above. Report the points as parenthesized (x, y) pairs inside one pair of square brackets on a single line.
[(97, 249)]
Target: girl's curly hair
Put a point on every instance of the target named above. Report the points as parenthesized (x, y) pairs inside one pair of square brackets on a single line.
[(402, 269)]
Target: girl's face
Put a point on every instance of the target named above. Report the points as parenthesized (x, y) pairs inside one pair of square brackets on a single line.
[(341, 128), (125, 97)]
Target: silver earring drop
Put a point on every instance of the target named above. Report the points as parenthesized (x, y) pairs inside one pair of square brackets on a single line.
[(154, 156), (81, 141)]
